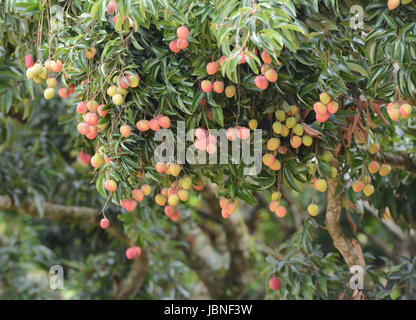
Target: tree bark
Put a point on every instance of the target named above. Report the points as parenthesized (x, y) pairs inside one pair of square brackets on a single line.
[(332, 221)]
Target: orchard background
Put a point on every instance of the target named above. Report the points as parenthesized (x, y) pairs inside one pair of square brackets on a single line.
[(84, 87)]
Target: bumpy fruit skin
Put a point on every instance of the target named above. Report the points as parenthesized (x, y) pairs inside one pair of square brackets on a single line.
[(84, 157), (273, 144), (164, 122), (101, 112), (124, 82), (118, 99), (321, 185), (320, 108), (173, 200), (393, 4), (112, 90), (328, 156), (218, 86), (313, 209), (92, 134), (274, 283), (290, 122), (110, 185), (268, 159), (111, 7), (271, 75), (104, 223), (138, 195), (183, 195), (125, 130), (51, 83), (185, 183), (325, 98), (307, 140), (173, 47), (147, 190), (332, 107), (91, 118), (49, 93), (154, 125), (394, 114), (182, 44), (296, 142), (142, 125), (81, 107), (266, 57), (373, 167), (97, 160), (373, 148), (261, 82), (134, 80), (273, 205), (276, 165), (276, 195), (298, 129), (280, 211), (182, 32), (368, 190), (206, 86), (253, 124), (160, 200), (384, 170), (230, 91), (130, 205), (83, 128), (358, 186), (56, 66), (405, 110), (212, 67), (322, 117)]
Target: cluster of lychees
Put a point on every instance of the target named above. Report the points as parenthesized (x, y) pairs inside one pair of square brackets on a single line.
[(325, 107), (181, 42)]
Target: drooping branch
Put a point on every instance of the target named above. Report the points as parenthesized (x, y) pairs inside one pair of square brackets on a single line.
[(238, 275), (398, 161), (332, 221), (83, 215)]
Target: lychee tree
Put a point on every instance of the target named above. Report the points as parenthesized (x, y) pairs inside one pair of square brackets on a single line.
[(334, 104)]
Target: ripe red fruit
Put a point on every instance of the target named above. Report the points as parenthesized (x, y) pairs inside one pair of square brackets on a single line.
[(222, 60), (110, 185), (57, 66), (266, 57), (124, 82), (182, 32), (71, 88), (138, 195), (218, 86), (125, 130), (206, 86), (111, 7), (154, 125), (133, 252), (130, 205), (274, 283), (182, 44), (83, 128), (101, 112), (85, 158), (261, 82), (322, 117), (142, 125), (212, 67), (243, 58), (63, 93), (81, 107), (271, 75), (91, 118), (29, 61), (173, 47), (164, 122), (92, 134), (104, 223)]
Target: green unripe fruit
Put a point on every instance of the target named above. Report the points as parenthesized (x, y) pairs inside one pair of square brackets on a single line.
[(51, 83), (273, 144), (277, 127), (321, 185), (118, 99), (97, 160), (328, 156), (37, 79), (185, 183), (112, 90), (280, 115), (276, 195), (290, 122), (49, 93), (307, 140), (325, 98), (334, 172), (173, 200), (313, 209), (43, 73), (298, 129), (312, 169), (368, 190)]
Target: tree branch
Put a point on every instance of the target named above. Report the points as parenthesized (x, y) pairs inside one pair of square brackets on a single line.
[(397, 160), (83, 215), (332, 221)]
